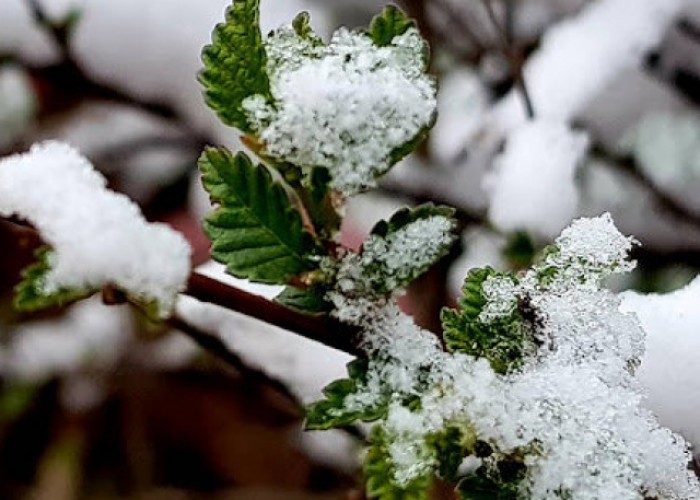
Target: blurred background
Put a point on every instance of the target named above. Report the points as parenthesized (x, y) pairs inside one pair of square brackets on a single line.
[(95, 402)]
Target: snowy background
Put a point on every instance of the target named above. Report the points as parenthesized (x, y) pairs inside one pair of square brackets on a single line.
[(95, 402)]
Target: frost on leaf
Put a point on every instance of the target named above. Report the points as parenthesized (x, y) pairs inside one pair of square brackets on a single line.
[(559, 417), (97, 237), (351, 106)]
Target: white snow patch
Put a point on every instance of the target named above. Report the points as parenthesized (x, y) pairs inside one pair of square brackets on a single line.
[(98, 237), (532, 186), (670, 371)]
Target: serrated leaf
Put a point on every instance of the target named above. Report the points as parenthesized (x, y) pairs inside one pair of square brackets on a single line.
[(309, 301), (388, 24), (332, 411), (255, 232), (503, 342), (379, 474), (235, 64), (302, 27), (396, 254), (450, 449), (406, 216), (499, 482), (29, 293)]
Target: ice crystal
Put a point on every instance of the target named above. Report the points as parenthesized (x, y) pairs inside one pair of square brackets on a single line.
[(345, 106)]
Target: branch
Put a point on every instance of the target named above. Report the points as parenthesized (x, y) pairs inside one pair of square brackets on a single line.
[(514, 58), (667, 202), (73, 84), (322, 329), (215, 346)]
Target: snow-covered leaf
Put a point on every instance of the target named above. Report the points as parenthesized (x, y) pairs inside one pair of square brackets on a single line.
[(334, 410), (389, 24), (30, 294), (379, 474), (403, 248), (502, 342)]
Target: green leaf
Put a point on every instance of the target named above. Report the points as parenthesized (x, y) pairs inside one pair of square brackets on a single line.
[(388, 24), (394, 256), (310, 301), (499, 482), (379, 474), (256, 232), (235, 64), (405, 216), (318, 198), (450, 449), (332, 411), (302, 27), (29, 293), (520, 250), (503, 342)]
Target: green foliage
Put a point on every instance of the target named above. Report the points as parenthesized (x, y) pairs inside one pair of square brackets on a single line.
[(302, 27), (520, 250), (406, 216), (235, 64), (497, 482), (379, 474), (387, 276), (256, 232), (503, 342), (451, 446), (29, 293), (318, 200), (388, 24), (333, 412), (308, 301)]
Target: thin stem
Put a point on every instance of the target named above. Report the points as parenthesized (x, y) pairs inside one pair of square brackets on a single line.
[(215, 346), (514, 58)]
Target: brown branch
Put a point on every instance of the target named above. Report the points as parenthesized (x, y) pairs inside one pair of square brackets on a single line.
[(215, 346), (514, 58), (664, 200), (322, 329)]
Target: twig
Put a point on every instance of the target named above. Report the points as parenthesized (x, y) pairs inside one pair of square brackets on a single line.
[(514, 58), (73, 84), (667, 202), (322, 329), (457, 20), (214, 345)]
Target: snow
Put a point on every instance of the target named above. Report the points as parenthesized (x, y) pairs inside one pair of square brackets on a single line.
[(150, 50), (98, 237), (346, 106), (580, 56), (462, 104), (669, 370), (575, 397), (532, 187)]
